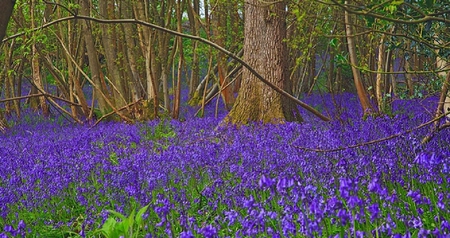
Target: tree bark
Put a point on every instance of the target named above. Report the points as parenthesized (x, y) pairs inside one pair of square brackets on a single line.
[(193, 14), (265, 51), (6, 7), (109, 41), (380, 77), (94, 64), (39, 102), (361, 91)]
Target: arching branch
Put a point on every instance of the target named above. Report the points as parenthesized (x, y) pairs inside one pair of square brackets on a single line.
[(160, 28)]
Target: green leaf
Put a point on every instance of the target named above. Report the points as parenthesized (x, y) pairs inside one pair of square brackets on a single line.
[(108, 227), (118, 215), (369, 20), (334, 42), (139, 220), (397, 2)]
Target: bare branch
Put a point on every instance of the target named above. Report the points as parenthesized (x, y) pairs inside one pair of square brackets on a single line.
[(176, 33)]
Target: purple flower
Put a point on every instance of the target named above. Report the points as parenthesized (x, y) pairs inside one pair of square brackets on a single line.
[(231, 216), (265, 182), (344, 216), (209, 231), (423, 233), (248, 203), (284, 183), (354, 201), (345, 187), (415, 195), (374, 211), (186, 234)]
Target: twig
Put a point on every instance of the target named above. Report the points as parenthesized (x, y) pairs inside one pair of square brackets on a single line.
[(377, 140), (113, 112), (39, 95), (176, 33)]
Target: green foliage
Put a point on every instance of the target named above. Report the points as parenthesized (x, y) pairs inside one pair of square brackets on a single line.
[(160, 135), (126, 227)]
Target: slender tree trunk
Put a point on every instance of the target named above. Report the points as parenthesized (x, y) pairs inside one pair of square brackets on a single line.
[(193, 14), (179, 41), (36, 70), (408, 78), (94, 64), (265, 50), (380, 76), (109, 41), (147, 40), (219, 21), (361, 91)]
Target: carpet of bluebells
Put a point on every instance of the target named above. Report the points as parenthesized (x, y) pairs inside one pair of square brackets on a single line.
[(193, 178)]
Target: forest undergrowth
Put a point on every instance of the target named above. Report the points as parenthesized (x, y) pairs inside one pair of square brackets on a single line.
[(190, 178)]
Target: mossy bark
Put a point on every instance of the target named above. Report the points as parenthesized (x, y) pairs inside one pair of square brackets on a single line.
[(265, 50)]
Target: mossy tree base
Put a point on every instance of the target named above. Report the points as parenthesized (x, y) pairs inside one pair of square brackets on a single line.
[(266, 52)]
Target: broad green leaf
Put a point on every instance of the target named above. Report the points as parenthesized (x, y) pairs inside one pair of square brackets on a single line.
[(139, 215), (117, 214), (108, 226)]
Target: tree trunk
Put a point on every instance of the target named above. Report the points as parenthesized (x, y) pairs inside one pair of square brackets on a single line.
[(193, 10), (38, 102), (94, 64), (179, 42), (380, 76), (264, 50), (109, 41), (219, 21), (361, 91), (6, 8)]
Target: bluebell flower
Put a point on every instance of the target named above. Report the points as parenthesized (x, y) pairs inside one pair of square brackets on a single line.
[(265, 182), (186, 234), (374, 211), (209, 231)]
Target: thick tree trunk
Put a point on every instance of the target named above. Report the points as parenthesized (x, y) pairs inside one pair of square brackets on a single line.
[(6, 8), (264, 50)]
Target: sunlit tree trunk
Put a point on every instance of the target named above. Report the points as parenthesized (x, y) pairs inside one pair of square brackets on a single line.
[(146, 41), (361, 91), (443, 65), (380, 76), (265, 50)]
